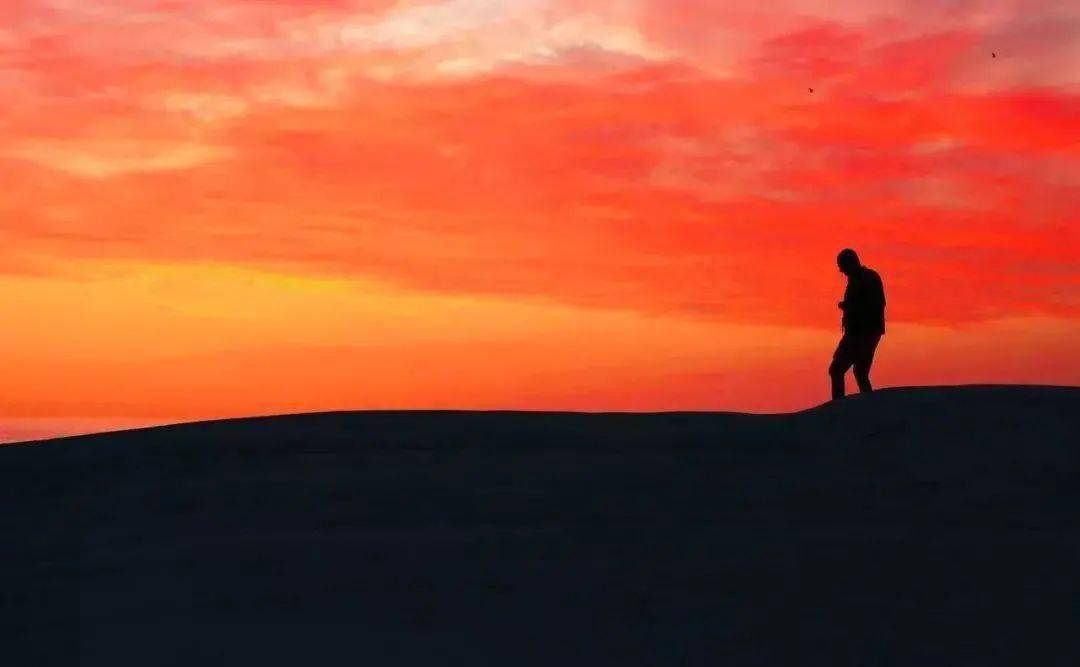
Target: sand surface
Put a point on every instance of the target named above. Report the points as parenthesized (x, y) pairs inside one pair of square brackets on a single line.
[(924, 526)]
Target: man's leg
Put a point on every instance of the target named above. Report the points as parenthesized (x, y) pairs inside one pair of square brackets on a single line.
[(864, 360), (862, 377), (841, 362)]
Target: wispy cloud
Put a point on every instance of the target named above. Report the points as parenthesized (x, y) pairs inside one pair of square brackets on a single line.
[(107, 159)]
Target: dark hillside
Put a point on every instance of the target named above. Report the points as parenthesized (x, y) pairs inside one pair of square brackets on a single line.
[(924, 526)]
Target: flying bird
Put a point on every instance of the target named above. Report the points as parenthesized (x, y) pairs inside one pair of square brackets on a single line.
[(811, 90), (993, 55)]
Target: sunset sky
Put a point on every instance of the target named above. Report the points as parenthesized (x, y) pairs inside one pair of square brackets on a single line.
[(218, 208)]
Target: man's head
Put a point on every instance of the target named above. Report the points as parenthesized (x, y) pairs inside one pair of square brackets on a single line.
[(848, 261)]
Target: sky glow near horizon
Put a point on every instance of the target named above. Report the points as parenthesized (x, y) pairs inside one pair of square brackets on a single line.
[(227, 208)]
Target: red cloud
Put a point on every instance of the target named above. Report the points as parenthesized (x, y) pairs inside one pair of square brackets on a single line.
[(664, 187)]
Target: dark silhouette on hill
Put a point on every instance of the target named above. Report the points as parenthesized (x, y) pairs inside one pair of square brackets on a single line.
[(932, 526), (863, 323)]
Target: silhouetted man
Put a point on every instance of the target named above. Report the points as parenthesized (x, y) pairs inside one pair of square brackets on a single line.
[(863, 322)]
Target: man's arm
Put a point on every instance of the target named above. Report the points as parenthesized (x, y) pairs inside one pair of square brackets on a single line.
[(846, 302)]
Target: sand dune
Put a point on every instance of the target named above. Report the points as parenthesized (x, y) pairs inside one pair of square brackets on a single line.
[(924, 526)]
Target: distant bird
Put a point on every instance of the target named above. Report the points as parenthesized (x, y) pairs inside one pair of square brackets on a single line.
[(993, 55), (811, 90)]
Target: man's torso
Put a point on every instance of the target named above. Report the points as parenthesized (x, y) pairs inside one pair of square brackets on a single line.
[(864, 314)]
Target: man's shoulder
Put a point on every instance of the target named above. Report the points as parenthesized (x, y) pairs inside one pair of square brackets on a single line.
[(870, 274)]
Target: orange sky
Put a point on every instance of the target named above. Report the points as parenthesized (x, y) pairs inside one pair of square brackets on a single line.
[(247, 207)]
